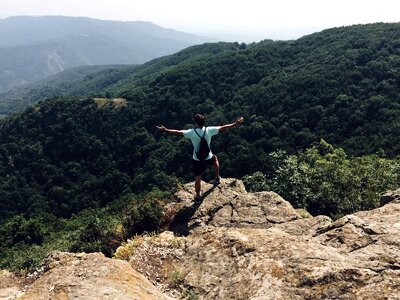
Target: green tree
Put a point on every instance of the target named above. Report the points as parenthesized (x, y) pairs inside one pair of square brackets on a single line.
[(325, 180)]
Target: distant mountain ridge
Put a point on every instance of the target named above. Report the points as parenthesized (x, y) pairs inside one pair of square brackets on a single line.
[(32, 48)]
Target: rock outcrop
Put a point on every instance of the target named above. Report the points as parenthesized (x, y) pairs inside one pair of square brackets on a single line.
[(228, 205), (239, 245), (90, 276)]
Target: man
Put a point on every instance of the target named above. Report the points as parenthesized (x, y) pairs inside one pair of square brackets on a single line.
[(195, 134)]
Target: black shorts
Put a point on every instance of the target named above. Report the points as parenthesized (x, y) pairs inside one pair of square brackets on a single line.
[(200, 166)]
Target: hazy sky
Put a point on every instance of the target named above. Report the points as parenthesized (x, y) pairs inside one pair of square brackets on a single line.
[(256, 19)]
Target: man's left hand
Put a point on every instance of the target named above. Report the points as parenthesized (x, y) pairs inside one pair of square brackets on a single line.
[(239, 120)]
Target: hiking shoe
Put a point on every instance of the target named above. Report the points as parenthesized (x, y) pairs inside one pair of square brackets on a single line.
[(217, 181)]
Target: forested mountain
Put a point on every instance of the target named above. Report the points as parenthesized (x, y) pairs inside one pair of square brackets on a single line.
[(95, 80), (32, 48), (340, 85)]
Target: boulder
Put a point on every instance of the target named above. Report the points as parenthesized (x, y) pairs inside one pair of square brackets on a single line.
[(90, 276), (228, 205)]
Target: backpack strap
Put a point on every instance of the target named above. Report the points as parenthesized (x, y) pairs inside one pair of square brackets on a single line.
[(205, 129)]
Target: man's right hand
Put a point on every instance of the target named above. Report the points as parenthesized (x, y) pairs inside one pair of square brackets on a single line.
[(161, 127)]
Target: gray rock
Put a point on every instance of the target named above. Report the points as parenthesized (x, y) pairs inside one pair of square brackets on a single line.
[(228, 205), (240, 245), (390, 196)]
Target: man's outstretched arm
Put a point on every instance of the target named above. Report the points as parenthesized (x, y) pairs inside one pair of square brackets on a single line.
[(170, 131), (234, 124)]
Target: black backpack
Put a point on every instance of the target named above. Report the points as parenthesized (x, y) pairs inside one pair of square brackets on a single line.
[(204, 149)]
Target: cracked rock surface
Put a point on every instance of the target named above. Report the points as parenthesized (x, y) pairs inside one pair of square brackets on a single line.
[(229, 205), (240, 245)]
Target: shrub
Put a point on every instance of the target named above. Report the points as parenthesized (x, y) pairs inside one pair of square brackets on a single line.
[(325, 180), (98, 234), (144, 213)]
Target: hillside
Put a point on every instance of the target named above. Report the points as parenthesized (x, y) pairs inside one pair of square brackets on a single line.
[(72, 82), (100, 80), (236, 245), (32, 48), (340, 85), (292, 94)]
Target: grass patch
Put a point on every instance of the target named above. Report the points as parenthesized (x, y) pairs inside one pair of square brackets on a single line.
[(116, 102)]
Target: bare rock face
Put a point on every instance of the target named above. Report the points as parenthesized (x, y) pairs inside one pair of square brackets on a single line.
[(90, 276), (228, 205), (10, 286), (239, 245)]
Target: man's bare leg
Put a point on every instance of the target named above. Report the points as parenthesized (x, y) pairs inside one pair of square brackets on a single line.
[(216, 168), (197, 186)]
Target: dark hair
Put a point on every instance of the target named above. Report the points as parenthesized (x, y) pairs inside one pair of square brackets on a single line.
[(199, 119)]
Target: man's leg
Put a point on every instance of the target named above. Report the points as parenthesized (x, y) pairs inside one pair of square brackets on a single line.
[(216, 167), (197, 186)]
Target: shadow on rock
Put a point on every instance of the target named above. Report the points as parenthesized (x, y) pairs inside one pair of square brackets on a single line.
[(180, 223)]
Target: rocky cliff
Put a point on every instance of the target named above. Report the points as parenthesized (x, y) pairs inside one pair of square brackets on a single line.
[(238, 245)]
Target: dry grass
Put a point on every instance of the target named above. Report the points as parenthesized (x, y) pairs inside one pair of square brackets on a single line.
[(124, 252), (119, 102), (116, 102), (174, 274), (100, 102)]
